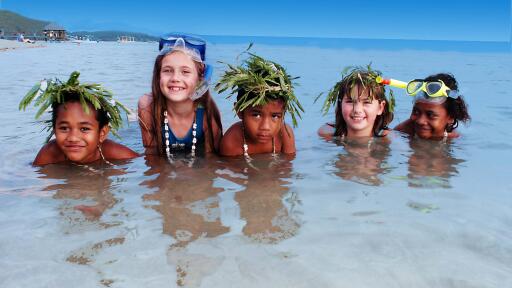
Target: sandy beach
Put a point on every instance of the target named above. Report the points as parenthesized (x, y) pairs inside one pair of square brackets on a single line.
[(12, 44)]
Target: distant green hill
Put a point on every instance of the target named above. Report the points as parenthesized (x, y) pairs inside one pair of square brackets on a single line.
[(13, 23), (113, 35)]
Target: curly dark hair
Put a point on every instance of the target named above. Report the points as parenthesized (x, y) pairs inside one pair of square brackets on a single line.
[(456, 107)]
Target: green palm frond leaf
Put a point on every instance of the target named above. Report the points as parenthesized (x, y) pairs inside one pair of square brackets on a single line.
[(29, 96), (258, 81), (53, 91)]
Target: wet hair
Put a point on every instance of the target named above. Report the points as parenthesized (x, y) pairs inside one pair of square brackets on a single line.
[(101, 115), (158, 105), (456, 108), (377, 92)]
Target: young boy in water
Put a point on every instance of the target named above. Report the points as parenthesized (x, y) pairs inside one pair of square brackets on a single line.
[(264, 95), (82, 116)]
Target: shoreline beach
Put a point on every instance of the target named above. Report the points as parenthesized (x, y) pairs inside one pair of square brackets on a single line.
[(12, 44)]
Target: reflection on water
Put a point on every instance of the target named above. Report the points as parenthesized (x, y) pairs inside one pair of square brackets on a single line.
[(186, 199), (431, 163), (80, 182), (276, 222), (266, 204), (86, 193), (363, 160), (189, 205)]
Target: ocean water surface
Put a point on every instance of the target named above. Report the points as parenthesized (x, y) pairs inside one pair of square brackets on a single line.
[(398, 213)]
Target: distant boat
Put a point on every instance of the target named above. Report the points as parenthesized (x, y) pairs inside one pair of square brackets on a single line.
[(81, 39), (125, 39)]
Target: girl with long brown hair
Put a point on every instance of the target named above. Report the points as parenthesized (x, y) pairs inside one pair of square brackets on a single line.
[(180, 116)]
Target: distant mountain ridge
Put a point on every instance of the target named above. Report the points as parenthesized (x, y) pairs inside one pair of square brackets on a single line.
[(12, 23)]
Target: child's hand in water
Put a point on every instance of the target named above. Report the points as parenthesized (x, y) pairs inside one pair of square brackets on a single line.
[(92, 212)]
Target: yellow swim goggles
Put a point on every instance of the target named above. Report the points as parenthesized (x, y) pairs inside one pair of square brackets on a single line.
[(426, 91), (431, 88)]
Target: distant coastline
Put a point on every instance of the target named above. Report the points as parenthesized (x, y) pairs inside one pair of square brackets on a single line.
[(12, 23), (367, 44), (11, 44)]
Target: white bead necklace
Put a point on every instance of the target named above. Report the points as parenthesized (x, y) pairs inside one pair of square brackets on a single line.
[(246, 147), (175, 145)]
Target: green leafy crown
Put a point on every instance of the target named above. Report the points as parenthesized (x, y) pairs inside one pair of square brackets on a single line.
[(47, 92), (350, 77), (258, 81)]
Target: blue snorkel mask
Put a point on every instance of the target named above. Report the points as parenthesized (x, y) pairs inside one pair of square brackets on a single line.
[(193, 46)]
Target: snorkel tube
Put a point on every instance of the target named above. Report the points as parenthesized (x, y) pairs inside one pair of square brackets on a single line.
[(204, 85), (391, 82)]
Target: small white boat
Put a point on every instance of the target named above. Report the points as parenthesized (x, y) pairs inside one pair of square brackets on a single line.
[(82, 39)]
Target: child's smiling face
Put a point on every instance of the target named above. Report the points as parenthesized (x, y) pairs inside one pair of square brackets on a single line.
[(360, 112), (430, 120), (77, 133), (262, 123), (178, 76)]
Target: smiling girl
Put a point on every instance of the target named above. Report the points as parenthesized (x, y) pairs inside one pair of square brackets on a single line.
[(438, 108), (180, 116), (362, 109)]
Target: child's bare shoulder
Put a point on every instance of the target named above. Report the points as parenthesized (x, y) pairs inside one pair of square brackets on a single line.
[(287, 140), (50, 153), (286, 134), (406, 127), (326, 131), (144, 107), (115, 151), (231, 144), (145, 101)]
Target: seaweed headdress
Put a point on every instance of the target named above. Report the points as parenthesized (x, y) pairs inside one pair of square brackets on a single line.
[(48, 93), (352, 76), (257, 82)]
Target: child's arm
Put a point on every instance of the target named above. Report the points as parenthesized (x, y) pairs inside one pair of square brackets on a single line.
[(453, 134), (144, 112), (231, 143), (115, 151), (406, 127), (326, 131), (288, 139), (49, 154)]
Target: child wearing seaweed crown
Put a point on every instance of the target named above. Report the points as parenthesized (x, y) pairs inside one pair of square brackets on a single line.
[(82, 116), (362, 109), (264, 93), (438, 108), (180, 116)]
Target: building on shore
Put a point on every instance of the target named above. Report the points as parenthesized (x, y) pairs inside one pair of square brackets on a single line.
[(125, 39), (54, 32)]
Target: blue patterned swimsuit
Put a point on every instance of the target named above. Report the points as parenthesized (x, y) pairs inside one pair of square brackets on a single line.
[(184, 145)]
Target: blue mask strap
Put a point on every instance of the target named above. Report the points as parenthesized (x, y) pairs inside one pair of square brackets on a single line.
[(204, 85)]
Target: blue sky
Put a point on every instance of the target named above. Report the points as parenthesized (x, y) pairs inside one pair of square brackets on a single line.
[(484, 20)]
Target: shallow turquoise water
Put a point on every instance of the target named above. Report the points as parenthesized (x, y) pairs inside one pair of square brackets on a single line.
[(404, 213)]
